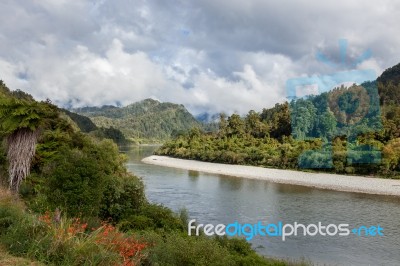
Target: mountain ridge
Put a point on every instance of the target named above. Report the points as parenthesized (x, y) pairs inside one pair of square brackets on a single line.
[(147, 119)]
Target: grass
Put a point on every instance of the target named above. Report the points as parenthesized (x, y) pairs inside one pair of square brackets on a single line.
[(9, 260), (68, 242)]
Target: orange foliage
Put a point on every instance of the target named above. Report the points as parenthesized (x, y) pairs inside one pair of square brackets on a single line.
[(129, 249)]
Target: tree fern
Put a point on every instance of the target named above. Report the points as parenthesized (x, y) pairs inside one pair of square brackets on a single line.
[(20, 120)]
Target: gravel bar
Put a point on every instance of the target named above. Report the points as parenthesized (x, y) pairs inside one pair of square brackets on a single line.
[(348, 183)]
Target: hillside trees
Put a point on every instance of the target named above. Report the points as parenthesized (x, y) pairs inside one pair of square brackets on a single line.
[(346, 125), (147, 120)]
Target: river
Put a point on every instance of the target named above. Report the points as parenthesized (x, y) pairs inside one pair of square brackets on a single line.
[(215, 199)]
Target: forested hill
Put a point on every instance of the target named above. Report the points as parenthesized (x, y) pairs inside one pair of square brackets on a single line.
[(352, 129), (147, 119)]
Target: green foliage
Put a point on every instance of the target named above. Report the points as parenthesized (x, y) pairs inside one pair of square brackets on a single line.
[(84, 177), (21, 95), (123, 197), (276, 138), (148, 119), (391, 157), (180, 249), (4, 90), (71, 170), (238, 145), (20, 113), (278, 120), (84, 123), (76, 184), (390, 75), (153, 217), (111, 133), (18, 230)]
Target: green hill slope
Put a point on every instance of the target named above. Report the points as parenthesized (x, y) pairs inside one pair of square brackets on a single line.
[(346, 130), (148, 119)]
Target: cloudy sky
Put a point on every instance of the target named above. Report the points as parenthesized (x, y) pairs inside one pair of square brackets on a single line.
[(210, 55)]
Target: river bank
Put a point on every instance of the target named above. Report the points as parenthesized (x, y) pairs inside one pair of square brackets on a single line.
[(337, 182)]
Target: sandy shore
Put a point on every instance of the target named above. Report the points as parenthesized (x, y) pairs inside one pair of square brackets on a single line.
[(317, 180)]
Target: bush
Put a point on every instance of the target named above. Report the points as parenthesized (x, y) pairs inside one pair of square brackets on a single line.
[(76, 184), (137, 222), (154, 217), (179, 249), (123, 196), (82, 176)]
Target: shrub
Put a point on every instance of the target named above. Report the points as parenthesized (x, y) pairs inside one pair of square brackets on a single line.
[(76, 185), (123, 196), (162, 217), (179, 249), (137, 222)]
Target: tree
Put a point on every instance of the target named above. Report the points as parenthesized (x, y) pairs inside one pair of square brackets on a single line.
[(20, 120), (254, 126), (222, 124), (326, 125), (278, 120), (235, 125), (303, 117), (391, 156)]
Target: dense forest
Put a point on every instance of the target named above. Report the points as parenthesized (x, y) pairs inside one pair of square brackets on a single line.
[(66, 198), (354, 130), (144, 121)]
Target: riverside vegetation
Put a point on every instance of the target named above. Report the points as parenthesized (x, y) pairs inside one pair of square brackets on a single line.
[(277, 137), (67, 199)]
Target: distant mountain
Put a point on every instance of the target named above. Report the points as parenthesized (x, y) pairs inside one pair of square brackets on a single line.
[(147, 119)]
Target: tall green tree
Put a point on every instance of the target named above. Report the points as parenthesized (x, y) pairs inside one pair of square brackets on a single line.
[(278, 120), (20, 121), (303, 118), (254, 126), (236, 125), (222, 124)]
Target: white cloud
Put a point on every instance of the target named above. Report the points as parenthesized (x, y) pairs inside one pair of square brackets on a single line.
[(92, 79), (208, 55)]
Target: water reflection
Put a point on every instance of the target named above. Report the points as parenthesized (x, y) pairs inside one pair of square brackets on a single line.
[(293, 189), (230, 183), (193, 175)]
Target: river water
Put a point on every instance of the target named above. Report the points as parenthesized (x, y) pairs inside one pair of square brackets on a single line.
[(215, 199)]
